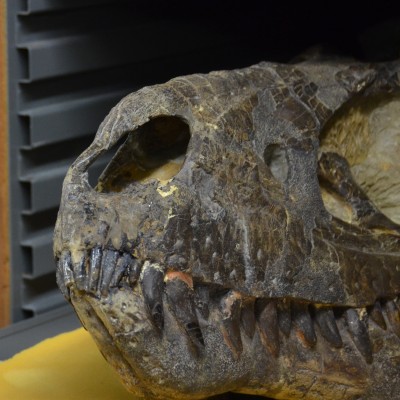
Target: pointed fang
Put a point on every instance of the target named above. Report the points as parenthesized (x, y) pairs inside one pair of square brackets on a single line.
[(113, 277), (376, 314), (202, 301), (248, 318), (64, 276), (327, 325), (284, 316), (230, 306), (80, 275), (109, 263), (152, 284), (268, 325), (393, 314), (304, 324), (358, 328), (94, 269), (180, 297)]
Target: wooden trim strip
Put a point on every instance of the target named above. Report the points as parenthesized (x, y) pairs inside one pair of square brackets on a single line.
[(4, 174)]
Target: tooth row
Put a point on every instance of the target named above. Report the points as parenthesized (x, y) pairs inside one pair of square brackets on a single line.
[(97, 271), (235, 315)]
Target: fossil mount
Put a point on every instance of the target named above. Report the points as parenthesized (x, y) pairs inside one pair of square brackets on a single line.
[(244, 237)]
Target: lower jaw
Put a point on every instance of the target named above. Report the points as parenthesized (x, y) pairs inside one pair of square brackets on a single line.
[(166, 362)]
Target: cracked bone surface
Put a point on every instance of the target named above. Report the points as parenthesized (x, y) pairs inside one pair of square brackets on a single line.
[(244, 237)]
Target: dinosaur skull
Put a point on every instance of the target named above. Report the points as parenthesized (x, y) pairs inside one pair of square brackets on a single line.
[(244, 236)]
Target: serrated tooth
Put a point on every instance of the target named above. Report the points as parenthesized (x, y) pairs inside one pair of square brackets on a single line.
[(94, 269), (376, 314), (284, 316), (327, 323), (267, 319), (303, 323), (357, 323), (393, 315), (152, 284), (180, 297), (230, 307), (247, 317)]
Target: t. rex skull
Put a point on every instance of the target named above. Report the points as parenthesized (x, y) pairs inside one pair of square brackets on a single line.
[(244, 236)]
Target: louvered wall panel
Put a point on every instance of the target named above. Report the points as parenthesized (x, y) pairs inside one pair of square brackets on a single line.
[(70, 62), (40, 247), (44, 302), (68, 55), (67, 120), (29, 7)]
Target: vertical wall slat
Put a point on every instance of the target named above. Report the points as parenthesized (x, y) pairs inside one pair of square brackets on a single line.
[(4, 204)]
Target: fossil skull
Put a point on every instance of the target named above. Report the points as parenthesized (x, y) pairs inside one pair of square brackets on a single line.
[(244, 237)]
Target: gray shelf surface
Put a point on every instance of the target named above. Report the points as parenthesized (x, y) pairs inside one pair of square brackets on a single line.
[(24, 334)]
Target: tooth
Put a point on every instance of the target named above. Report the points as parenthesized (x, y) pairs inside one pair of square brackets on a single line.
[(180, 295), (247, 317), (109, 264), (194, 331), (393, 314), (304, 324), (357, 325), (202, 300), (284, 317), (230, 305), (94, 269), (80, 274), (64, 276), (327, 324), (268, 325), (65, 264), (375, 313), (112, 277), (152, 284), (60, 282), (133, 270)]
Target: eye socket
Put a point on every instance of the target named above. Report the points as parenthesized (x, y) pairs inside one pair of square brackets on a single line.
[(156, 150)]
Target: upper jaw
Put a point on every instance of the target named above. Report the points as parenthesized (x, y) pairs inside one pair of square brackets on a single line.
[(264, 254)]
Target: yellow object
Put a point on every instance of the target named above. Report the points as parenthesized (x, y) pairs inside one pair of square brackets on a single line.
[(66, 367)]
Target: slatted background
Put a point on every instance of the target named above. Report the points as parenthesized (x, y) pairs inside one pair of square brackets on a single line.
[(70, 61)]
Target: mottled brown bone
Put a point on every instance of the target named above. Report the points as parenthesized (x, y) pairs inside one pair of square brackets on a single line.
[(245, 235)]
